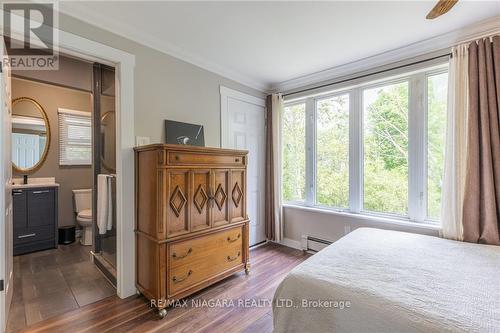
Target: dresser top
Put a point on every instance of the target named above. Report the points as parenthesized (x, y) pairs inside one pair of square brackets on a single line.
[(163, 146)]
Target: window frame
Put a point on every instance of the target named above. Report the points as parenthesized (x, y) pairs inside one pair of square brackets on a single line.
[(417, 145)]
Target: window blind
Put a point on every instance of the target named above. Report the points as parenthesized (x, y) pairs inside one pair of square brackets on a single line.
[(75, 137)]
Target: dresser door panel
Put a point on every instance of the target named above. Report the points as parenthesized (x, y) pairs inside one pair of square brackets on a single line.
[(200, 212), (220, 202), (41, 203), (177, 205), (237, 195)]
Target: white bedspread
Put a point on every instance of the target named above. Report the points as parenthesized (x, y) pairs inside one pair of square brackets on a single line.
[(395, 282)]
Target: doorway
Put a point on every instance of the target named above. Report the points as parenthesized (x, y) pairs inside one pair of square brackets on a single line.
[(53, 191), (123, 62), (243, 127)]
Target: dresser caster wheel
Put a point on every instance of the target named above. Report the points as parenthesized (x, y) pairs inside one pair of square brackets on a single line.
[(162, 313)]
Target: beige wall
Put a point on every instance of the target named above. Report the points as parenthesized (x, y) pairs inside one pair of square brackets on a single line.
[(165, 87), (51, 98), (331, 226)]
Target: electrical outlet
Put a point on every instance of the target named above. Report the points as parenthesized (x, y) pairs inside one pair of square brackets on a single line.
[(141, 141)]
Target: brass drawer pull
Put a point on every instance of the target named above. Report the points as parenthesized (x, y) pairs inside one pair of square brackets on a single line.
[(236, 160), (234, 258), (175, 256), (233, 240), (176, 157), (176, 279)]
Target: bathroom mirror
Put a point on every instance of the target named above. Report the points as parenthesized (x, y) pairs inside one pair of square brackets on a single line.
[(108, 145), (30, 135)]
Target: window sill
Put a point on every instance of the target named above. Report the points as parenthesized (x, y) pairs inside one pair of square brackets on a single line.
[(367, 217)]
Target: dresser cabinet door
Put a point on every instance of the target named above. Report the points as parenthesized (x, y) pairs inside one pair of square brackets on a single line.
[(237, 194), (220, 201), (41, 205), (200, 211), (177, 202)]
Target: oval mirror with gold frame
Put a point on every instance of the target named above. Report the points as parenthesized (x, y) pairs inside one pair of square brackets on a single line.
[(108, 141), (30, 135)]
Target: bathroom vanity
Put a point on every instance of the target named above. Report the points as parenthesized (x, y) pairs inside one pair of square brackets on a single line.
[(34, 216)]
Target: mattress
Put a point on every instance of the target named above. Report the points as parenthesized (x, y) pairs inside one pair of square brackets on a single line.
[(376, 280)]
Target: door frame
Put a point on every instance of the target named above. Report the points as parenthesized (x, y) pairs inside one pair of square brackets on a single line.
[(225, 95), (124, 64)]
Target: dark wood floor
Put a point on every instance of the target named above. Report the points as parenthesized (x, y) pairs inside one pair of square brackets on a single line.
[(270, 263)]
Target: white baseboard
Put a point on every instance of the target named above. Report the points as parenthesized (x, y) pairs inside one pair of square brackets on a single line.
[(291, 243)]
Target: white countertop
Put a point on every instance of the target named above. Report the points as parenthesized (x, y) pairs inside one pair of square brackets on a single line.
[(17, 183)]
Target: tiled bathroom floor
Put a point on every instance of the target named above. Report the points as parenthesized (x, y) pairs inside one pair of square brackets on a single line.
[(51, 282)]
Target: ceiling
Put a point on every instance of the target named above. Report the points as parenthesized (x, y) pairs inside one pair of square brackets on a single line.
[(265, 43)]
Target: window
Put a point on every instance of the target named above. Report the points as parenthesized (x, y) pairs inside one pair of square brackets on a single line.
[(375, 148), (75, 137), (294, 152), (385, 143), (332, 151), (437, 92)]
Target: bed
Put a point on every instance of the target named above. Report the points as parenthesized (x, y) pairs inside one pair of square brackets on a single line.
[(376, 280)]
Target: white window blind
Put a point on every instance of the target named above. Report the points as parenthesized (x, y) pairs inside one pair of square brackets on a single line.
[(75, 137)]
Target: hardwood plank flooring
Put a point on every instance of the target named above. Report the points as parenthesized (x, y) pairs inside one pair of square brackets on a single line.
[(224, 309)]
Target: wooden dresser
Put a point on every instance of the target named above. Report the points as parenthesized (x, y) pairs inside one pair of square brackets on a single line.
[(191, 219)]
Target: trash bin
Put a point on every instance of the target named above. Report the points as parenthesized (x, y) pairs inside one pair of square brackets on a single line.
[(66, 235)]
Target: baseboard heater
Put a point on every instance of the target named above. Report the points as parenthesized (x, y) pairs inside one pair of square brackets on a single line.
[(314, 244)]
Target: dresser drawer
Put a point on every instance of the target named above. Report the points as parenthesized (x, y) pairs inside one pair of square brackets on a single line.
[(187, 158), (204, 247), (33, 234), (191, 274)]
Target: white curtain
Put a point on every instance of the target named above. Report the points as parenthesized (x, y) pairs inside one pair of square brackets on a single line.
[(456, 144), (277, 107)]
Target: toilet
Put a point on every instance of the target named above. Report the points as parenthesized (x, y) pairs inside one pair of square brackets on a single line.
[(83, 209)]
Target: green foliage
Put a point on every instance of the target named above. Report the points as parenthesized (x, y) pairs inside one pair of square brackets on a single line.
[(294, 153), (386, 149), (332, 151)]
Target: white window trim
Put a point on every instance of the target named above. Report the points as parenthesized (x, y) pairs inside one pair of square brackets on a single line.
[(417, 148)]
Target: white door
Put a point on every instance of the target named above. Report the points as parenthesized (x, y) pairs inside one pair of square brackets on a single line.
[(5, 193), (243, 127)]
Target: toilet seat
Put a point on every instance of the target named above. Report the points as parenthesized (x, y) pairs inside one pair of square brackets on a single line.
[(85, 214)]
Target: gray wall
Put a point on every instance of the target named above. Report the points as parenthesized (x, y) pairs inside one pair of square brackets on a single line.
[(72, 73), (165, 87), (333, 226), (51, 98)]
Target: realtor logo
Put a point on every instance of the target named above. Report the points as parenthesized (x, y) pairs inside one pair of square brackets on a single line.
[(30, 35)]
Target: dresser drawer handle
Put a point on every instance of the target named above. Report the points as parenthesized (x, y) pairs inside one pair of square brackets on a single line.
[(177, 280), (234, 258), (236, 160), (175, 256), (233, 240), (176, 157), (40, 192), (26, 236)]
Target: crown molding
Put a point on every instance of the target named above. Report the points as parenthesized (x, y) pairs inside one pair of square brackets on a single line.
[(447, 40), (132, 33)]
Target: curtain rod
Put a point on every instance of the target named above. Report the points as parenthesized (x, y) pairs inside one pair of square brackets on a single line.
[(368, 74)]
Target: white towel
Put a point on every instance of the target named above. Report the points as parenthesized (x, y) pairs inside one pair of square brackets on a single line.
[(104, 204)]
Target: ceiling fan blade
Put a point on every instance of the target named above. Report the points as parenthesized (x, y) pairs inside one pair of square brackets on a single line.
[(442, 7)]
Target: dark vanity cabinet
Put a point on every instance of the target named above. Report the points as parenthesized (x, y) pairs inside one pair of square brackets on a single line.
[(34, 218)]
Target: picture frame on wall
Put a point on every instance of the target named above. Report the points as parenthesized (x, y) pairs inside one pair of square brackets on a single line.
[(180, 133)]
